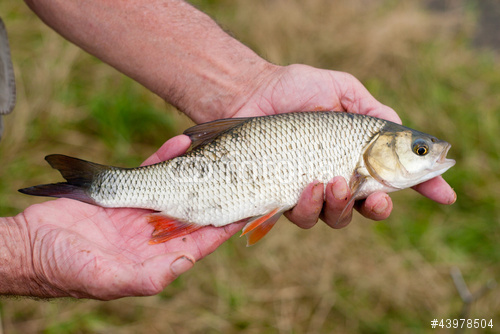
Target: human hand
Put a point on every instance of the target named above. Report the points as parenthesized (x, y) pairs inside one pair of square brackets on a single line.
[(304, 88), (86, 251)]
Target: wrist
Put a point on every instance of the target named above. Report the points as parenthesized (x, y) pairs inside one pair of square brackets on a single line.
[(17, 273), (15, 269), (222, 92)]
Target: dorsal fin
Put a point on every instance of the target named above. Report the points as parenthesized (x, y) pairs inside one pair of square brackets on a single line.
[(204, 133)]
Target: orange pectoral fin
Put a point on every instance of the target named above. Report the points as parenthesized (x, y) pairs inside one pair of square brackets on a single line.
[(356, 185), (346, 214), (167, 228), (258, 228)]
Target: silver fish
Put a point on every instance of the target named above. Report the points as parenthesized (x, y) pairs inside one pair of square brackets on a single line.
[(256, 168), (7, 82)]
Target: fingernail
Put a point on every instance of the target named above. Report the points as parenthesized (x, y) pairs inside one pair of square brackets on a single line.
[(317, 192), (339, 190), (381, 206), (181, 265), (453, 198)]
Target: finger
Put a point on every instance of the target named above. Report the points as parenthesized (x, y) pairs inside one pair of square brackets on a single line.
[(208, 239), (377, 206), (354, 97), (203, 241), (306, 213), (124, 279), (180, 266), (157, 272), (438, 190), (386, 113), (337, 196), (171, 148)]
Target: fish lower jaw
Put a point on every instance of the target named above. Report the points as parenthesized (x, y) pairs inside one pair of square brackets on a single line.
[(371, 186), (447, 164)]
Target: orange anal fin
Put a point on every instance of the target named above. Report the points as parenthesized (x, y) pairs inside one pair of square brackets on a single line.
[(253, 224), (167, 228), (258, 228)]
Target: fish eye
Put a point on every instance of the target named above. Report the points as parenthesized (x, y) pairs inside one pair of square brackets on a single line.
[(420, 147)]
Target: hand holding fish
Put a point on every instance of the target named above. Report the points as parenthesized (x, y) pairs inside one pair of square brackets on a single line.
[(305, 88), (215, 76), (85, 251), (69, 248)]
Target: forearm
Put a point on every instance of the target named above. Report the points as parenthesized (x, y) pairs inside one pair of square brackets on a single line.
[(15, 263), (173, 49)]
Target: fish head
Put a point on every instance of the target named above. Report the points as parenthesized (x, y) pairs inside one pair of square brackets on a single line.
[(400, 157)]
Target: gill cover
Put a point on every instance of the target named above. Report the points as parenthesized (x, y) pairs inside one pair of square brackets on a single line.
[(400, 157)]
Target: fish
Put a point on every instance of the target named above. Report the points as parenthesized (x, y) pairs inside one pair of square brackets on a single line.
[(7, 80), (254, 169)]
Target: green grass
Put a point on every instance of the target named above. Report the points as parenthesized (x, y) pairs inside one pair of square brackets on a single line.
[(386, 277)]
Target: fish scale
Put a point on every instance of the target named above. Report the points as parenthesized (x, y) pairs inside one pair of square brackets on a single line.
[(285, 143), (256, 168)]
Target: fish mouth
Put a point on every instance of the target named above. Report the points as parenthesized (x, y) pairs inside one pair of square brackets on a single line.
[(443, 161)]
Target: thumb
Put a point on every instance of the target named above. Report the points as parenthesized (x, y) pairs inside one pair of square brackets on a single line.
[(357, 99), (181, 265), (172, 148), (161, 270)]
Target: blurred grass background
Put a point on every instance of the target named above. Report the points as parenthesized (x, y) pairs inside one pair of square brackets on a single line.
[(421, 58)]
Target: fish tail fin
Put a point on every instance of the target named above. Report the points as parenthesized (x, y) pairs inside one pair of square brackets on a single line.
[(78, 173)]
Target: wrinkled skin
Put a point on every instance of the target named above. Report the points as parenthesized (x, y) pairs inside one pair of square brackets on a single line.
[(81, 250), (87, 251)]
